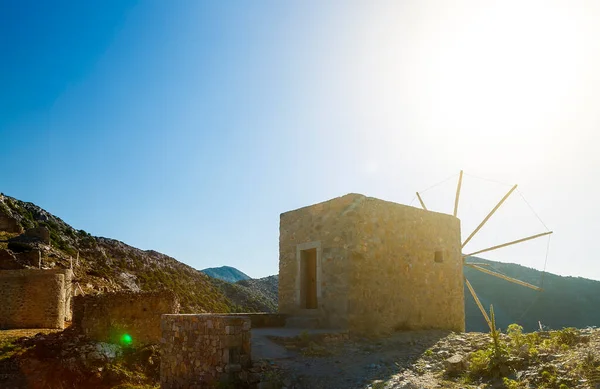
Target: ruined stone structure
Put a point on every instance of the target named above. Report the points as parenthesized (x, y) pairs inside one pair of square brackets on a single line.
[(7, 222), (107, 317), (35, 298), (198, 351), (371, 266)]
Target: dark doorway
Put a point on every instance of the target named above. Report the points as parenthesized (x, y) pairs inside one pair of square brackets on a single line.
[(308, 278)]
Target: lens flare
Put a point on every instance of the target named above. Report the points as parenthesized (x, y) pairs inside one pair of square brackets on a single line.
[(126, 339)]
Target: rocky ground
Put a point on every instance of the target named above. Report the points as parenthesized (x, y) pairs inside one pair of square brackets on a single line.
[(433, 359), (419, 359), (48, 359)]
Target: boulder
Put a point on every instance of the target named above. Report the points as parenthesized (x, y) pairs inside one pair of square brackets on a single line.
[(41, 234), (455, 365)]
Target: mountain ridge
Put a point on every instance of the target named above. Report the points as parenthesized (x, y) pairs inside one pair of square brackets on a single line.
[(226, 273)]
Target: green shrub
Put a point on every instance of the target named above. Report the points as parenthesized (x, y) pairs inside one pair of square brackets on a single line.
[(493, 361)]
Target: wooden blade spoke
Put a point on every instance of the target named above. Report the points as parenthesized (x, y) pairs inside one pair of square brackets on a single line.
[(457, 193), (507, 278), (483, 312), (489, 216), (507, 244), (421, 201)]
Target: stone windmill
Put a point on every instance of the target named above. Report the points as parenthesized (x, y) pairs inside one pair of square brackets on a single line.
[(481, 266)]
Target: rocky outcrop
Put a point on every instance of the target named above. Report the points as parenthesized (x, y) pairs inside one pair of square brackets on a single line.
[(40, 234)]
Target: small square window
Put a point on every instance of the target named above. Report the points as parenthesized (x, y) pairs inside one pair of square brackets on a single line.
[(439, 256)]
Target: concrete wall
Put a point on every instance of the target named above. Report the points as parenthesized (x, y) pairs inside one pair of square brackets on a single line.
[(376, 268), (32, 299), (198, 351), (107, 317)]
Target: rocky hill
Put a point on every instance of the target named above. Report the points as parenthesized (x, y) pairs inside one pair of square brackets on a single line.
[(102, 264), (225, 273), (564, 301), (254, 295)]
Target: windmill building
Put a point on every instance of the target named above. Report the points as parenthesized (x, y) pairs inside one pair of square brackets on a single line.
[(371, 266)]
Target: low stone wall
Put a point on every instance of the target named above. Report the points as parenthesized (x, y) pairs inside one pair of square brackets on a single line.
[(68, 289), (8, 223), (264, 319), (32, 299), (200, 350), (107, 317)]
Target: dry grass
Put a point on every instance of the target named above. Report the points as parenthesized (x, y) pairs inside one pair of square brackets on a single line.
[(12, 335)]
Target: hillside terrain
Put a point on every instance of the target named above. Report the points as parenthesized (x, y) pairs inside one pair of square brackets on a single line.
[(225, 273), (251, 295), (110, 265), (103, 264), (564, 301)]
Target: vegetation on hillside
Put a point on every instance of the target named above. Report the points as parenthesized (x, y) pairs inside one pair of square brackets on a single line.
[(564, 301), (225, 273), (508, 358), (251, 295), (110, 265)]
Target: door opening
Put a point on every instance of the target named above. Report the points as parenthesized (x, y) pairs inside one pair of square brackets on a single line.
[(308, 280)]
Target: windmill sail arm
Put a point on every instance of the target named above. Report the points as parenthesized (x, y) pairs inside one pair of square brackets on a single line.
[(507, 278), (421, 201), (483, 312), (456, 198), (488, 216), (507, 244)]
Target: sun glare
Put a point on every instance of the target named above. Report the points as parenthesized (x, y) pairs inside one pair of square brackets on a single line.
[(512, 68), (487, 77)]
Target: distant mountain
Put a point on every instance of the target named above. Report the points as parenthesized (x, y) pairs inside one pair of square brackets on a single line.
[(564, 301), (225, 273), (251, 295)]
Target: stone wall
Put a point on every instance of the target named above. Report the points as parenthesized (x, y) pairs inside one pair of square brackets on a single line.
[(107, 317), (8, 261), (264, 319), (8, 223), (328, 227), (407, 270), (198, 351), (68, 289), (32, 299), (381, 266)]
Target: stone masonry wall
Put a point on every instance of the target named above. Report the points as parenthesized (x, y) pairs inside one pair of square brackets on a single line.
[(68, 289), (107, 317), (330, 225), (398, 281), (198, 351), (377, 268), (32, 299), (7, 222)]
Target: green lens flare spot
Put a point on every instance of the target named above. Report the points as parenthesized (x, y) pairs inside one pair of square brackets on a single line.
[(126, 339)]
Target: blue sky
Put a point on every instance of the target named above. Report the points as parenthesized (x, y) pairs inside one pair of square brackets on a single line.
[(188, 127)]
